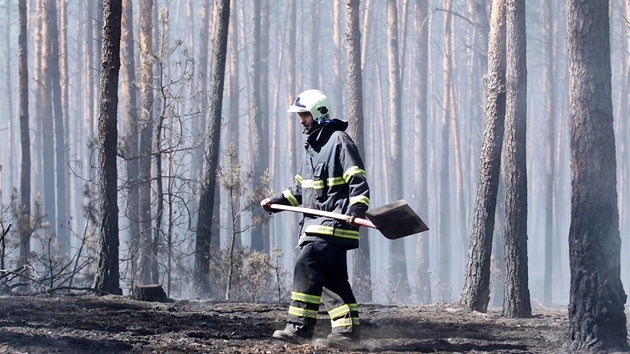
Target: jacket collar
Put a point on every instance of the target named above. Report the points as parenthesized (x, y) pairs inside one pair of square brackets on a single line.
[(322, 134)]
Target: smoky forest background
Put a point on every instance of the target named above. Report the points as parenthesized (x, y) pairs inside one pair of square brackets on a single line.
[(461, 107)]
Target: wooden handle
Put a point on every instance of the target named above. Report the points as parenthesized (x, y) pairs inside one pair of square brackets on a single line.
[(328, 214)]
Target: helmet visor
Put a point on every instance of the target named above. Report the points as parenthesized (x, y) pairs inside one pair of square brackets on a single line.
[(297, 109)]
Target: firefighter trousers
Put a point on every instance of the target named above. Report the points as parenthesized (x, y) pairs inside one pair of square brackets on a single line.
[(321, 276)]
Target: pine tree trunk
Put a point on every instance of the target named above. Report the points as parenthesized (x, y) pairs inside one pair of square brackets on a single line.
[(517, 301), (220, 25), (107, 277), (398, 278), (25, 140), (550, 85), (596, 306), (420, 161), (146, 138), (361, 281), (131, 117), (476, 291)]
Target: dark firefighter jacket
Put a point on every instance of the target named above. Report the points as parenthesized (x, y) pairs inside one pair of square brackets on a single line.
[(331, 178)]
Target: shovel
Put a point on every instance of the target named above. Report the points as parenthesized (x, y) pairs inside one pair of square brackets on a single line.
[(393, 220)]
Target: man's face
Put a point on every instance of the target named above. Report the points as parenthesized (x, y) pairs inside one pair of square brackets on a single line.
[(306, 119)]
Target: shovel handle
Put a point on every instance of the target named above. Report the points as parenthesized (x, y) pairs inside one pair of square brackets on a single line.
[(328, 214)]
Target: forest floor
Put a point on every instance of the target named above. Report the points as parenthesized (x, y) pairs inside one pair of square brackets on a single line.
[(119, 324)]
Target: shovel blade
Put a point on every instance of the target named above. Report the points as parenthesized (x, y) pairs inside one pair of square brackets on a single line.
[(396, 220)]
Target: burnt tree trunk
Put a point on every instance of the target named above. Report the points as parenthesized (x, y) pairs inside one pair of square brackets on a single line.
[(596, 306), (211, 150), (107, 277)]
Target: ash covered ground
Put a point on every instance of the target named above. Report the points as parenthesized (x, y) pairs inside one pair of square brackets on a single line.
[(119, 324)]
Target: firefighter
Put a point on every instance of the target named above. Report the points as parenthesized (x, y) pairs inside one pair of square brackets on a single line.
[(331, 178)]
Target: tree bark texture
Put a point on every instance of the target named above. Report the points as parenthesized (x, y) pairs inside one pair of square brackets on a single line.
[(61, 225), (108, 278), (596, 305), (211, 151), (25, 139), (445, 243), (550, 85), (397, 250), (258, 123), (420, 158), (517, 301), (131, 118), (361, 258), (146, 139), (476, 291)]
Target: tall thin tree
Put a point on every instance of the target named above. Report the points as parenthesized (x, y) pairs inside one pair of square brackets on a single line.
[(220, 26), (361, 280), (517, 301), (420, 162), (399, 279), (108, 277), (25, 139), (131, 117), (476, 291), (146, 141)]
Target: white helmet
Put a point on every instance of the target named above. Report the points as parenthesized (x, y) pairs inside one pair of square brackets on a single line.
[(315, 102)]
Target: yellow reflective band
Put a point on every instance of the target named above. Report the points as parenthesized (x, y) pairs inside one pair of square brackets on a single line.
[(339, 311), (298, 178), (300, 312), (312, 299), (351, 172), (309, 183), (354, 307), (332, 231), (345, 322), (336, 181), (360, 199), (290, 197)]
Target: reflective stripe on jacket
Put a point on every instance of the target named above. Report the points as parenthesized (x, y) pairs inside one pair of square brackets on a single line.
[(331, 178)]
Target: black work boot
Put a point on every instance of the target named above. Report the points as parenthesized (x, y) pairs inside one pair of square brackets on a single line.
[(339, 341), (288, 336)]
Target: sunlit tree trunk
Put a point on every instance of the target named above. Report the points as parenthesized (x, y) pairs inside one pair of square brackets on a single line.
[(63, 218), (398, 278), (445, 243), (476, 291), (48, 124), (550, 89), (107, 277), (514, 159), (420, 158), (64, 87), (361, 281), (233, 93), (220, 25), (146, 137), (596, 306), (130, 117), (315, 44)]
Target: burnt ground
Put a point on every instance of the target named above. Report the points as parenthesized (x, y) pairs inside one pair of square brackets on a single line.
[(119, 324)]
